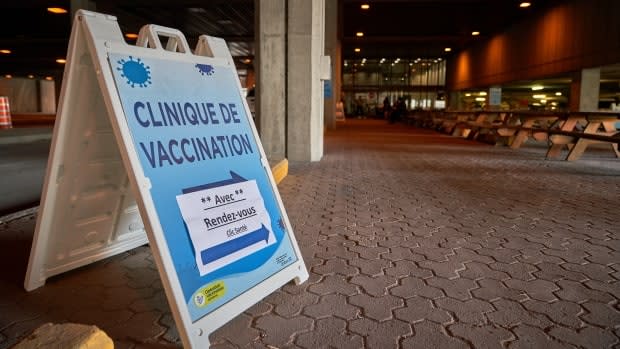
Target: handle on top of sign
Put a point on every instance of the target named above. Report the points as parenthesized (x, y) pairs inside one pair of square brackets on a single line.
[(149, 37), (203, 48), (211, 46)]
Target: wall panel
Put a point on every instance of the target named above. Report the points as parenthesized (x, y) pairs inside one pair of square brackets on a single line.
[(568, 37)]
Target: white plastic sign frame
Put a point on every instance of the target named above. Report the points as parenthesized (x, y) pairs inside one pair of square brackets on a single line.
[(196, 172)]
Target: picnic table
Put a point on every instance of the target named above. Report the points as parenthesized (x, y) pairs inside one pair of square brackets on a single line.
[(578, 130), (523, 125)]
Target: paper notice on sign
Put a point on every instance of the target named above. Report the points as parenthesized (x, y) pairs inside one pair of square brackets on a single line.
[(226, 223)]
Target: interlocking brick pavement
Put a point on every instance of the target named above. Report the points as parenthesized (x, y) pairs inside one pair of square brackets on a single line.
[(412, 239)]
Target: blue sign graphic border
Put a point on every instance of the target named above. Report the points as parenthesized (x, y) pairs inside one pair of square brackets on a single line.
[(151, 94)]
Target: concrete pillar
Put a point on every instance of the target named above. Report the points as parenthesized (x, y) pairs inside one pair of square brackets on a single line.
[(455, 101), (584, 90), (305, 88), (47, 97), (332, 49), (270, 64)]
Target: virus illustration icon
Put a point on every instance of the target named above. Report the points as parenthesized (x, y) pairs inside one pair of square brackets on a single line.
[(205, 69), (135, 71)]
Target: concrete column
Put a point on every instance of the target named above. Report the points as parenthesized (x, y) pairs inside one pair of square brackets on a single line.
[(270, 64), (305, 88), (332, 49), (454, 101), (584, 90)]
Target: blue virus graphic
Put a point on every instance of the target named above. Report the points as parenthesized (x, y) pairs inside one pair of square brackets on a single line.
[(135, 72), (281, 224), (205, 69)]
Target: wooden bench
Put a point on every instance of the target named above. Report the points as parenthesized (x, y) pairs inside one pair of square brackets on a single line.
[(487, 125), (526, 122), (453, 121), (574, 130), (572, 136), (420, 118)]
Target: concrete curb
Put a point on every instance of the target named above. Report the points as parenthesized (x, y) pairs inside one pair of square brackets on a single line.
[(25, 135)]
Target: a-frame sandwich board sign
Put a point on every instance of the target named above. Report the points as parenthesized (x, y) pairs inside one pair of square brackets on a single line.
[(158, 139)]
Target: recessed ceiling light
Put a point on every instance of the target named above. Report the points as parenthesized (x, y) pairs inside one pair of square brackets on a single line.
[(56, 10), (525, 4), (61, 61), (8, 76), (30, 76), (558, 93), (49, 78), (537, 87), (357, 49), (247, 61), (5, 51), (197, 10), (539, 96), (475, 33), (365, 6), (447, 49), (131, 36), (359, 34)]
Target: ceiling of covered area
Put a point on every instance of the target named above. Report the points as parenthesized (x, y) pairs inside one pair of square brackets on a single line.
[(230, 20), (36, 37), (425, 28), (407, 29)]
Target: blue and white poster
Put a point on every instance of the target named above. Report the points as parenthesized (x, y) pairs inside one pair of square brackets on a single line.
[(214, 200)]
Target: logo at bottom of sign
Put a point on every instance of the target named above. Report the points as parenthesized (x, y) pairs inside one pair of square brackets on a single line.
[(209, 293)]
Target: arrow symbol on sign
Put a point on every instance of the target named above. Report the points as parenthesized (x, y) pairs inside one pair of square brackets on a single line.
[(234, 178), (224, 249)]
